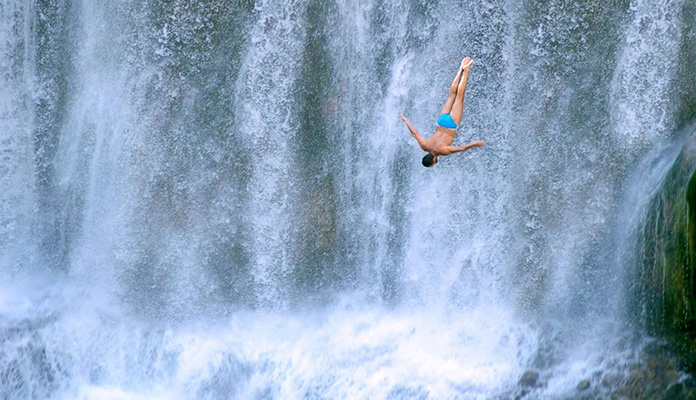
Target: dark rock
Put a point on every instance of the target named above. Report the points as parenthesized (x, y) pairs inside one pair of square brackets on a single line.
[(666, 268), (522, 394), (635, 386), (529, 379), (655, 376), (674, 392), (583, 385), (611, 380)]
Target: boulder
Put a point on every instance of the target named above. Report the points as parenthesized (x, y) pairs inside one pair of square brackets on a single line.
[(529, 379), (583, 385)]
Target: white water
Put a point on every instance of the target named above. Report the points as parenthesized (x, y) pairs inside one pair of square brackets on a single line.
[(215, 201)]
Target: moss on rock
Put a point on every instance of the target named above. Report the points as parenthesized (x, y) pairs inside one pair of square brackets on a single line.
[(666, 281)]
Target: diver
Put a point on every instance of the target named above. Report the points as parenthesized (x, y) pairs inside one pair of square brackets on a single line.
[(440, 144)]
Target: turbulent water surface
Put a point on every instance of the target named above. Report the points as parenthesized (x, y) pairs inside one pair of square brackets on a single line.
[(217, 199)]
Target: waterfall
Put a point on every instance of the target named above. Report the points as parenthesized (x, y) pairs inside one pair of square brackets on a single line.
[(219, 200), (18, 198)]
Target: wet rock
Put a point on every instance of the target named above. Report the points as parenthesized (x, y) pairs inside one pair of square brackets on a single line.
[(665, 294), (529, 379), (656, 376), (635, 386), (522, 395), (611, 380), (583, 385), (674, 392)]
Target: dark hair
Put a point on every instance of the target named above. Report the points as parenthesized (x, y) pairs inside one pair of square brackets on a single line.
[(428, 160)]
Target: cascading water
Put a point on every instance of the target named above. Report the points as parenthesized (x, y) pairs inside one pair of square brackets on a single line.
[(218, 199)]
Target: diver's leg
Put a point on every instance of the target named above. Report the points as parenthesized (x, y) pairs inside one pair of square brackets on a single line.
[(453, 91), (458, 106)]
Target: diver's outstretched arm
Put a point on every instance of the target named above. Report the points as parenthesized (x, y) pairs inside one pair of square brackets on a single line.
[(414, 132), (456, 149)]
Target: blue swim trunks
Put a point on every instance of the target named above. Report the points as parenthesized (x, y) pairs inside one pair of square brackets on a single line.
[(446, 121)]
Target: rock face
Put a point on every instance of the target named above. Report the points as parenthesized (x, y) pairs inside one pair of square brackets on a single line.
[(529, 379), (665, 284), (584, 385)]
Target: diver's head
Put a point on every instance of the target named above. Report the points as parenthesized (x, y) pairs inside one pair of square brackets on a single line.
[(429, 160)]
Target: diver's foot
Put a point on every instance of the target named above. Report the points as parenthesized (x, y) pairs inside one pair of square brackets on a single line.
[(466, 63)]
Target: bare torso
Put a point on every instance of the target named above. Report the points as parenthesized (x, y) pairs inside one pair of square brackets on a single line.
[(438, 143)]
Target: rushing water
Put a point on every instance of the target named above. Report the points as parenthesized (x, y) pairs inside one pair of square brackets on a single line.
[(218, 199)]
